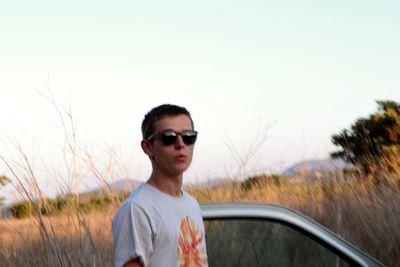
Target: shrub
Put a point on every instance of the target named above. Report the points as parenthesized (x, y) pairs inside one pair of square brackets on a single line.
[(22, 209), (259, 180)]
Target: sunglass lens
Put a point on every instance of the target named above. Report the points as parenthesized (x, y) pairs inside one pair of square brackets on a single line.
[(168, 138), (189, 137)]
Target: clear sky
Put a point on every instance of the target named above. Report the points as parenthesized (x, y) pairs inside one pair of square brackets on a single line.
[(294, 72)]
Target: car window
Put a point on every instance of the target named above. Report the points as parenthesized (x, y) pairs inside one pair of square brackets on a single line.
[(261, 242)]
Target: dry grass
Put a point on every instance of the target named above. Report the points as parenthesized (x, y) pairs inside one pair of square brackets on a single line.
[(361, 211), (74, 240)]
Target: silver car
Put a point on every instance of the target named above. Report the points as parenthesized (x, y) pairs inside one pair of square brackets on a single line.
[(246, 234)]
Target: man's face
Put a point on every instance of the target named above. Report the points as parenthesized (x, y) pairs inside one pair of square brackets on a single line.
[(172, 159)]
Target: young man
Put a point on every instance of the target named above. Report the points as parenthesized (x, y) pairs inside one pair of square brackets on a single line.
[(159, 224)]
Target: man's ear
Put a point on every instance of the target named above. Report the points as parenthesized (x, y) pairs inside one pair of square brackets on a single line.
[(146, 147)]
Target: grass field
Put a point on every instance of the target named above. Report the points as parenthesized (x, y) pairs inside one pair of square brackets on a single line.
[(363, 211)]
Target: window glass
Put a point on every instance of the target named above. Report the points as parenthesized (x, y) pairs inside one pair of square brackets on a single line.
[(256, 242)]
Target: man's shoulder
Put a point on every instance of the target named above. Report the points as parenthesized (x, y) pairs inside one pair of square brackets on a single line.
[(190, 199), (140, 196), (139, 203), (188, 196), (134, 200)]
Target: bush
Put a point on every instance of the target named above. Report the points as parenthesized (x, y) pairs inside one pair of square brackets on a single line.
[(22, 210), (259, 180), (53, 206), (58, 206)]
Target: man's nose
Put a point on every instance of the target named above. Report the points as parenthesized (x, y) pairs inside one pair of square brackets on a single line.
[(179, 142)]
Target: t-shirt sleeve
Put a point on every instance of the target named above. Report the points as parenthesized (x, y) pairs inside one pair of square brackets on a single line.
[(132, 235)]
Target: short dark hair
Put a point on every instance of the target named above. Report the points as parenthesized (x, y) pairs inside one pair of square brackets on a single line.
[(159, 112)]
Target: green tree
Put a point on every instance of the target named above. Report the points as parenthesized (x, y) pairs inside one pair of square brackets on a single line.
[(374, 142), (3, 181)]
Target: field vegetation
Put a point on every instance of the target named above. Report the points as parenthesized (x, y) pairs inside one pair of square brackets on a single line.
[(359, 210), (361, 204)]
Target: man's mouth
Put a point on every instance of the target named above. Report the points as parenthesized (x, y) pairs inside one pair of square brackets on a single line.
[(180, 157)]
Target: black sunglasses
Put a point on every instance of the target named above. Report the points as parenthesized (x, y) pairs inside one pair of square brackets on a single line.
[(169, 137)]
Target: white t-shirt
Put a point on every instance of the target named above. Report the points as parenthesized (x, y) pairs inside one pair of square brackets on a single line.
[(160, 229)]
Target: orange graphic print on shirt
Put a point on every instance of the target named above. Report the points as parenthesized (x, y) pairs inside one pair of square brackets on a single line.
[(191, 253)]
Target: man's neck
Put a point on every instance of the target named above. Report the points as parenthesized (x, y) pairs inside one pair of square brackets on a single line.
[(171, 185)]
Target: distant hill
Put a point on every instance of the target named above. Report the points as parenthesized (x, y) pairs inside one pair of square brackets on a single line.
[(311, 166), (124, 185)]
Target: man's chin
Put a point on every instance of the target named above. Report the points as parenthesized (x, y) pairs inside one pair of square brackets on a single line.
[(180, 169)]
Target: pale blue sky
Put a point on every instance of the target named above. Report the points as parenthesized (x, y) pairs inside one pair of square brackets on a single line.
[(305, 69)]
